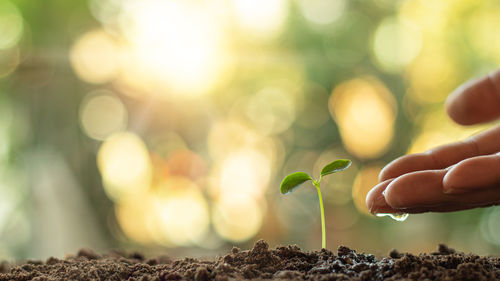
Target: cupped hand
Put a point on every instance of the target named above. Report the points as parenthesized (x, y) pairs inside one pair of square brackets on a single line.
[(452, 177)]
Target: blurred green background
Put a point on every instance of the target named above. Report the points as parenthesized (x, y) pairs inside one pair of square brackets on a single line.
[(167, 125)]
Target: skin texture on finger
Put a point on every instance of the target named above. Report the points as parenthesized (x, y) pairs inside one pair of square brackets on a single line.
[(472, 174), (375, 199), (444, 156), (477, 101), (423, 191), (376, 202)]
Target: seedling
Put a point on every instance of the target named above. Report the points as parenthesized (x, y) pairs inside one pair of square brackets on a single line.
[(294, 180)]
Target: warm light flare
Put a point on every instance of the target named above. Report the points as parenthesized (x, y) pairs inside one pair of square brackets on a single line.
[(125, 165), (245, 172), (95, 57), (365, 112), (237, 217), (260, 19), (178, 43), (182, 212)]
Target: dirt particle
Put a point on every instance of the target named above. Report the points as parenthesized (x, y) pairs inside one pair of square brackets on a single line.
[(202, 274), (395, 254), (88, 253)]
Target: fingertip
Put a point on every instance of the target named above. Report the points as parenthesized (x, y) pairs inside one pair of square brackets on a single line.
[(392, 195), (415, 190), (453, 181), (375, 199)]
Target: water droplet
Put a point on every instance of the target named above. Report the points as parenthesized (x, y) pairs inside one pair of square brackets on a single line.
[(397, 217)]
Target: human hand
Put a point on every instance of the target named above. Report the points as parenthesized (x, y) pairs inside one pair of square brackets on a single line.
[(457, 176)]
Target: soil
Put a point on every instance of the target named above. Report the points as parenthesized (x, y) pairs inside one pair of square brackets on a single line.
[(282, 263)]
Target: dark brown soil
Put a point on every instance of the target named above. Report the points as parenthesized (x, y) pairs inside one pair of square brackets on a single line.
[(285, 263)]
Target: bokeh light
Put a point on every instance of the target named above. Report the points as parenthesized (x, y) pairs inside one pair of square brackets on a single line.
[(365, 180), (365, 112), (136, 217), (432, 76), (245, 172), (322, 12), (125, 165), (260, 19), (182, 212), (11, 25), (102, 114), (237, 217), (184, 162), (482, 32), (396, 43), (230, 135), (95, 57)]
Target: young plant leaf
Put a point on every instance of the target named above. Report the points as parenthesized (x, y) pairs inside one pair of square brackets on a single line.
[(335, 166), (293, 181)]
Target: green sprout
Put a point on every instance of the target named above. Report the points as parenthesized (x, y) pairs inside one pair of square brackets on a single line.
[(294, 180)]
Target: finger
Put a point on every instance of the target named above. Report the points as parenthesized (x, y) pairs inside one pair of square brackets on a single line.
[(375, 200), (477, 101), (423, 191), (444, 156), (376, 203), (472, 174)]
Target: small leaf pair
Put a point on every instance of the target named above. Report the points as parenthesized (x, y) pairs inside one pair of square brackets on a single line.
[(294, 180)]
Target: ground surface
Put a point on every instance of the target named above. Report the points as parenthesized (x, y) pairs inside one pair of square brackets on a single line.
[(282, 263)]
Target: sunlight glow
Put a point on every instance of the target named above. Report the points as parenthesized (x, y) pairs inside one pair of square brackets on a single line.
[(178, 43), (125, 166), (261, 19), (365, 112)]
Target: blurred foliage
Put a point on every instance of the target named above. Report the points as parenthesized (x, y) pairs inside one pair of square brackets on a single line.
[(171, 123)]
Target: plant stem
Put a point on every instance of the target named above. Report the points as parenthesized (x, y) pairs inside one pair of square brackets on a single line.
[(323, 228)]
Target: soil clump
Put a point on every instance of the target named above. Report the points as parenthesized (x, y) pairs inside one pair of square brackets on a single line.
[(282, 263)]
